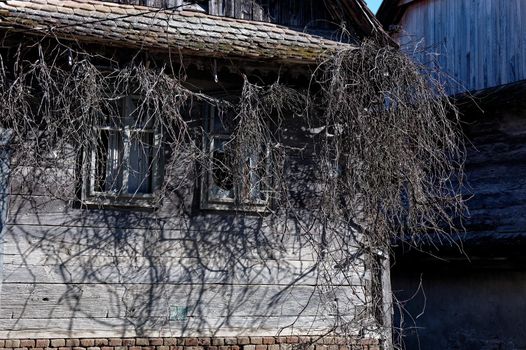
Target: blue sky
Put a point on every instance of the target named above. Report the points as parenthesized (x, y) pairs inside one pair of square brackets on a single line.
[(373, 4)]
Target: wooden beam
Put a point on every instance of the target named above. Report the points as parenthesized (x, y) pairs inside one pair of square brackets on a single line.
[(5, 137)]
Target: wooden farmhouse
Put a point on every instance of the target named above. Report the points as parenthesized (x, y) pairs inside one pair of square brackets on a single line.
[(118, 242), (470, 295)]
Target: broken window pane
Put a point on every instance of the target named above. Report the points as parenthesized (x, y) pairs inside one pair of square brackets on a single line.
[(222, 184), (108, 162), (140, 163)]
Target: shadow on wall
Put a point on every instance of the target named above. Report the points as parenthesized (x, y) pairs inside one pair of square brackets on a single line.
[(173, 272)]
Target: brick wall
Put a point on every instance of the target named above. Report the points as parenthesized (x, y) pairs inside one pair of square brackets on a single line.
[(232, 343)]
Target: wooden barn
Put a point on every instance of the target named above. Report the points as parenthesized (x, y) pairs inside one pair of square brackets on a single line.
[(92, 258), (471, 295)]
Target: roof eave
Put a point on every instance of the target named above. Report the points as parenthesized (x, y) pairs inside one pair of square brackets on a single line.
[(188, 32), (391, 11), (365, 21)]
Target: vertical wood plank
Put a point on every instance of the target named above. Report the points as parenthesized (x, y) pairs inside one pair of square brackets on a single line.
[(479, 44)]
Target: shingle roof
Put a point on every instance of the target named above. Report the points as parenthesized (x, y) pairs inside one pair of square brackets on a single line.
[(143, 27)]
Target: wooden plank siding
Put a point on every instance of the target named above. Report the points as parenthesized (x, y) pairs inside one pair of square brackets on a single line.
[(496, 174), (108, 281), (112, 273), (5, 137), (475, 297), (477, 44)]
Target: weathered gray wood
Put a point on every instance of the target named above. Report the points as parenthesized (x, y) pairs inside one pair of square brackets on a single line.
[(143, 242), (50, 301), (159, 327), (480, 44), (43, 267), (387, 298), (496, 173), (5, 137), (42, 182)]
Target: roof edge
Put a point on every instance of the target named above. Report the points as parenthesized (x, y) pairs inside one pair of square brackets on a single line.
[(363, 18), (390, 12)]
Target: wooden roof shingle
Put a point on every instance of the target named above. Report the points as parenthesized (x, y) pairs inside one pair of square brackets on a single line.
[(190, 32)]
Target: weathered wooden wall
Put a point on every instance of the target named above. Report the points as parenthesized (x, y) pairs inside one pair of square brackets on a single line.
[(474, 298), (496, 172), (479, 44), (5, 137), (112, 273)]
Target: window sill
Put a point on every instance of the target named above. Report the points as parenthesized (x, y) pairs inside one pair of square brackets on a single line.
[(143, 204)]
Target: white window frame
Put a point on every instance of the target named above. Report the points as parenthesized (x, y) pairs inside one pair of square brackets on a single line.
[(208, 202), (122, 198)]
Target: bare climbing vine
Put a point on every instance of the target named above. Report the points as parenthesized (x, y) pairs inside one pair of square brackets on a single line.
[(379, 156)]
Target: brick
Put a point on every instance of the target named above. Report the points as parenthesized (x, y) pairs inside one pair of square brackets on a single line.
[(190, 342), (211, 348), (162, 347), (243, 341), (170, 341), (293, 340), (274, 347), (281, 340), (106, 348), (218, 341), (269, 340), (19, 348), (93, 348), (78, 348), (203, 341), (87, 342), (2, 343), (235, 347), (135, 348), (231, 341), (261, 347), (115, 342), (120, 348), (148, 348), (249, 347), (27, 343), (101, 342), (38, 348), (156, 341), (65, 348), (178, 347), (256, 340), (142, 341), (57, 343), (73, 342), (128, 342), (12, 343)]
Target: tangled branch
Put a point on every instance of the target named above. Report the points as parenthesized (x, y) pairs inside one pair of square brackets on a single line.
[(381, 157)]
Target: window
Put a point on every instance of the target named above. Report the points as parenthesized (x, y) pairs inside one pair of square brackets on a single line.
[(123, 164), (232, 182)]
